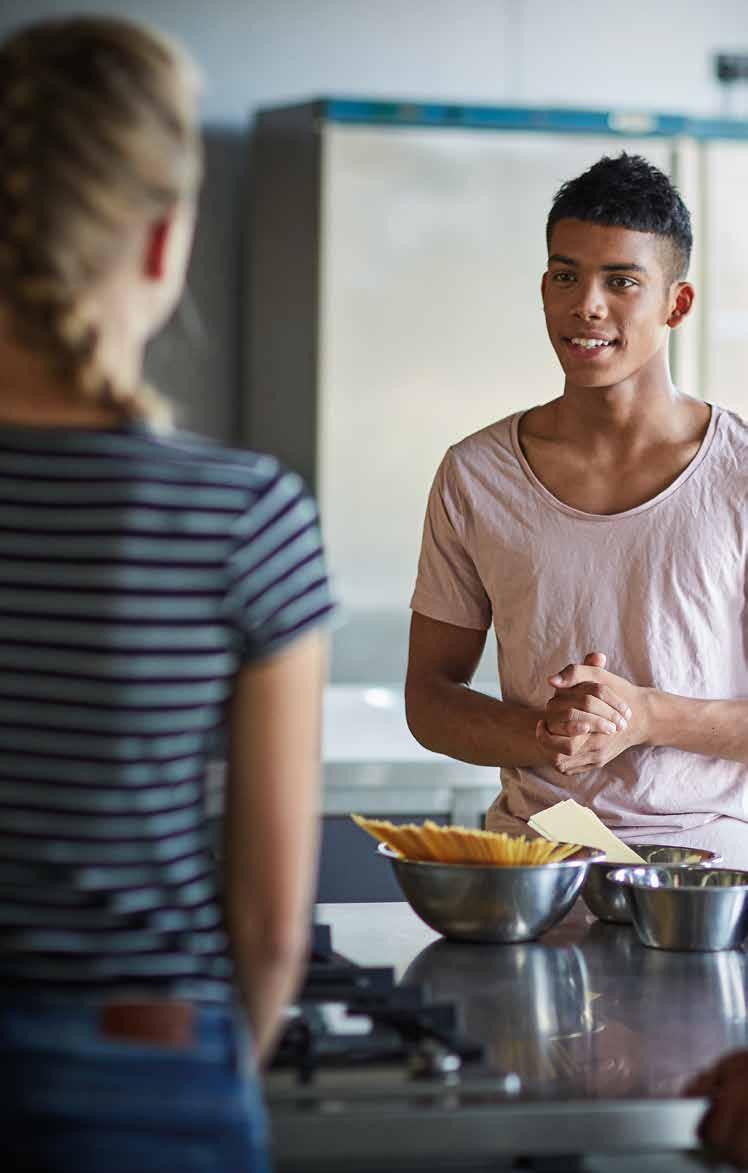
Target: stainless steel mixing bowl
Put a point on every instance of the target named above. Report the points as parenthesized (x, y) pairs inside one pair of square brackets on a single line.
[(687, 908), (484, 902), (610, 901)]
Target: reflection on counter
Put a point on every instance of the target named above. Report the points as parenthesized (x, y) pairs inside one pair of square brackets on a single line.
[(529, 1005), (589, 1011), (649, 989)]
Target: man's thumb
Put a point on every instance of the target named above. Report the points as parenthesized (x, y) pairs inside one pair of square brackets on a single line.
[(595, 659)]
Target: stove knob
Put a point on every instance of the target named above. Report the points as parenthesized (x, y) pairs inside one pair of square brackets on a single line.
[(432, 1060)]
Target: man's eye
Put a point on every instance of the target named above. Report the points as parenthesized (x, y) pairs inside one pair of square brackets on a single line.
[(621, 282), (563, 278)]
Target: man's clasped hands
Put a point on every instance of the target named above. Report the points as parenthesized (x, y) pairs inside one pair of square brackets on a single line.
[(592, 717)]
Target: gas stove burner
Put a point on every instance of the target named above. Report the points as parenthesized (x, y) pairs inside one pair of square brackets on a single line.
[(350, 1015), (330, 977)]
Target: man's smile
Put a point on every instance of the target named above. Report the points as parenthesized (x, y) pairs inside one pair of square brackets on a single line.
[(589, 346)]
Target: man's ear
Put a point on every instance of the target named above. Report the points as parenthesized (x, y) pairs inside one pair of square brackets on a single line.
[(543, 281), (682, 299), (157, 244)]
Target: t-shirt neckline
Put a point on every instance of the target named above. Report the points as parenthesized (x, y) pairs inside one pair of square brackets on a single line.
[(650, 504)]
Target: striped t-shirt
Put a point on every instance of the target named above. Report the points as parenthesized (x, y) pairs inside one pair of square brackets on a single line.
[(137, 573)]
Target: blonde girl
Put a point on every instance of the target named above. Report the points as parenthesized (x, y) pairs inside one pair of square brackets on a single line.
[(153, 588)]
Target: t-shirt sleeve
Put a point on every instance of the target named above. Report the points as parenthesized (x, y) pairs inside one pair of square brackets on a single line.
[(448, 586), (278, 586)]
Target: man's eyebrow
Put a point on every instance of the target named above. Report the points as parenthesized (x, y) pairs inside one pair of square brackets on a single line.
[(631, 266), (628, 266)]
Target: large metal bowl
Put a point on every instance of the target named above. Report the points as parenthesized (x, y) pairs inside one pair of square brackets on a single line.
[(484, 902), (687, 908), (610, 901)]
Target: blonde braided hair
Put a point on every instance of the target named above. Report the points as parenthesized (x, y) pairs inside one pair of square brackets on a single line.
[(97, 136)]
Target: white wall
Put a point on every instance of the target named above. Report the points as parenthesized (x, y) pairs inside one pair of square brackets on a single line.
[(589, 52)]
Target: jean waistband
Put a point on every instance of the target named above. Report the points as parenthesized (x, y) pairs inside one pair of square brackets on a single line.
[(213, 1031)]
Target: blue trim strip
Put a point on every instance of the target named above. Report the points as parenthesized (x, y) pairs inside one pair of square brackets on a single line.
[(617, 122), (708, 128)]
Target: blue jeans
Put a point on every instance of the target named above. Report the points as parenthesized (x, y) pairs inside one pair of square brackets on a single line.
[(73, 1100)]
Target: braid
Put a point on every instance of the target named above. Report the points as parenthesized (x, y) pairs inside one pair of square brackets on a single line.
[(77, 170)]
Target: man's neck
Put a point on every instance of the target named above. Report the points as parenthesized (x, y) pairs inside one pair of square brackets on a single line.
[(619, 420), (642, 409), (608, 450)]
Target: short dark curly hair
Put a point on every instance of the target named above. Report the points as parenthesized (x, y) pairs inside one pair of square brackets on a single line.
[(628, 192)]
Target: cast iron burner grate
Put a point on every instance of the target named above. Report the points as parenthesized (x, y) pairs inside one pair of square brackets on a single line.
[(349, 1015)]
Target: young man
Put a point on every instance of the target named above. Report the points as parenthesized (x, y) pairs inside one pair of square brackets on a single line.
[(610, 522)]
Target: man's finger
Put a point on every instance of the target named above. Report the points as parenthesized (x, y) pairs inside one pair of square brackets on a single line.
[(593, 698), (739, 1146), (719, 1123), (580, 765), (553, 741), (589, 710), (570, 728), (700, 1085), (566, 678), (589, 699), (589, 756), (563, 747), (574, 674)]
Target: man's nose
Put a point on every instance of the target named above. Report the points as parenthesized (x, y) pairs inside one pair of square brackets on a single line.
[(590, 302)]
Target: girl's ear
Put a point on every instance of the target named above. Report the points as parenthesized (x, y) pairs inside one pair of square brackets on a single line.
[(157, 244)]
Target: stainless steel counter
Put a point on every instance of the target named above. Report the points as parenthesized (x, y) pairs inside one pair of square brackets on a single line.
[(601, 1031)]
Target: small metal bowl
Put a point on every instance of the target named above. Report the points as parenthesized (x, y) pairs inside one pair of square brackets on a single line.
[(485, 902), (687, 908), (610, 901)]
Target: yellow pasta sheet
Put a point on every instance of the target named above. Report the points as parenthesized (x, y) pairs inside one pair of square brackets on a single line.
[(569, 822)]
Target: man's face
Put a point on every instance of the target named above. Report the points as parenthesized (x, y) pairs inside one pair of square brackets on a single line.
[(608, 297)]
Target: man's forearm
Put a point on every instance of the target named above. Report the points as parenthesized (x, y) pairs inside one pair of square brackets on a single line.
[(714, 728), (455, 720)]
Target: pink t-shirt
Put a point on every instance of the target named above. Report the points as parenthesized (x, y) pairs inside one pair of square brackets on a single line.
[(659, 588)]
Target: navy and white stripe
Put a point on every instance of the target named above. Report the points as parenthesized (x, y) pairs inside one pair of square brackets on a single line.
[(137, 573)]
